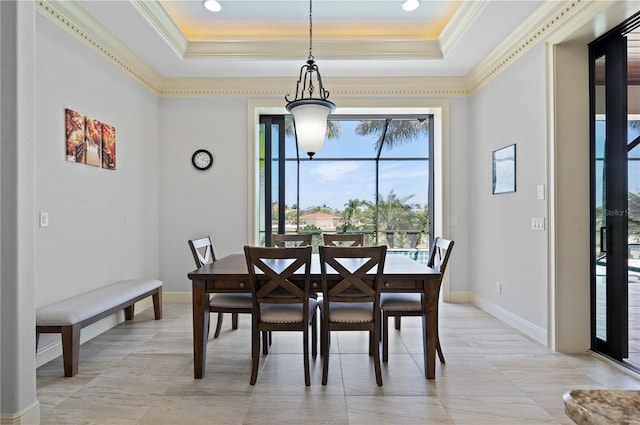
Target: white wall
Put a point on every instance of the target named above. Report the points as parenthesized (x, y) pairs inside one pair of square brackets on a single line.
[(199, 203), (87, 243), (215, 202), (461, 215), (510, 109)]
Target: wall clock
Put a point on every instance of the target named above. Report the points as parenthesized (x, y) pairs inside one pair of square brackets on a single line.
[(202, 159)]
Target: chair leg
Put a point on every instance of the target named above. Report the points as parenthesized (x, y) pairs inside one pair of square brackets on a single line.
[(305, 337), (325, 353), (218, 325), (371, 342), (234, 321), (385, 337), (266, 341), (314, 336), (439, 349), (398, 322), (255, 352), (376, 355)]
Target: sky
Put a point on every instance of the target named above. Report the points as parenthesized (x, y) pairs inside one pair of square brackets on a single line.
[(333, 182)]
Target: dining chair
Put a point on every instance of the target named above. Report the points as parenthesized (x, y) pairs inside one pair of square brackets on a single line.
[(404, 304), (278, 303), (282, 241), (351, 284), (204, 252), (343, 240)]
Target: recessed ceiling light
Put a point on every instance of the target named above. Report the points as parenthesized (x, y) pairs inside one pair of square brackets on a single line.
[(212, 5), (410, 5)]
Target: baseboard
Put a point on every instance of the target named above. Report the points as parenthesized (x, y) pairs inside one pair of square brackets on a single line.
[(178, 297), (533, 331), (28, 416), (459, 297), (50, 345)]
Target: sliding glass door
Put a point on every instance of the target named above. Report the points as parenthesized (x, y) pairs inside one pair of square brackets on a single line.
[(615, 188)]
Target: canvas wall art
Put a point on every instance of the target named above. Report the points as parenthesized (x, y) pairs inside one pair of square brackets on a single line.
[(89, 141)]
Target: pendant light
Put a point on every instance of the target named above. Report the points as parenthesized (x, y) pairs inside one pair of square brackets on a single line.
[(310, 113)]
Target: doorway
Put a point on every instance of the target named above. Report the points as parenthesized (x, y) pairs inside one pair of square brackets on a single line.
[(615, 193)]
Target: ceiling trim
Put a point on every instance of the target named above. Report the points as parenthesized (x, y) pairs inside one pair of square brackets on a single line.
[(546, 19), (340, 87), (162, 22), (74, 20), (326, 49), (459, 22)]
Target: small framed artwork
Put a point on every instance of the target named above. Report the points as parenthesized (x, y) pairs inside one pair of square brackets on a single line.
[(504, 169)]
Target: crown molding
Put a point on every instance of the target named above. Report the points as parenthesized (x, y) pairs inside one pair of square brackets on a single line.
[(74, 20), (459, 22), (339, 87), (326, 49), (162, 22), (548, 18)]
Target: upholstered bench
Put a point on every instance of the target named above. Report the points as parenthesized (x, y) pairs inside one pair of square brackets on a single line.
[(67, 317)]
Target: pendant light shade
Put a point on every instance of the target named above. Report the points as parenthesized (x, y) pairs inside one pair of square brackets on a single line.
[(310, 113), (310, 117)]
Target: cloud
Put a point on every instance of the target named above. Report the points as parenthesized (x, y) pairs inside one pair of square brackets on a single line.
[(335, 171)]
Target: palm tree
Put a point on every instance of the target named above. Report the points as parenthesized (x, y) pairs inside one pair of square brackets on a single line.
[(398, 132), (394, 214)]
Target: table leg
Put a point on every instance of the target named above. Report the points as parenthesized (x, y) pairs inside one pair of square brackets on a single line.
[(430, 328), (200, 327)]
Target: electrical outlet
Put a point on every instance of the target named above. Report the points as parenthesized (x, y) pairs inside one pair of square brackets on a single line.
[(499, 287)]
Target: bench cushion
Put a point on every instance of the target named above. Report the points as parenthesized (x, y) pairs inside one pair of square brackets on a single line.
[(89, 304)]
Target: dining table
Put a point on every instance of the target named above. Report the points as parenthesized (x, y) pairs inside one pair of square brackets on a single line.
[(230, 275)]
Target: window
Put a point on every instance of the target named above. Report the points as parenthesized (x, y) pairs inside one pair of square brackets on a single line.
[(373, 176)]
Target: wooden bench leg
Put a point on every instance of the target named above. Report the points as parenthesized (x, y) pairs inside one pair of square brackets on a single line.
[(157, 304), (71, 349), (129, 312)]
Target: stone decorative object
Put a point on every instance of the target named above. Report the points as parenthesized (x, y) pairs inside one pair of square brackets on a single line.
[(603, 407)]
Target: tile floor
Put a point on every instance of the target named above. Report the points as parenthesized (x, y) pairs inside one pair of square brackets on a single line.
[(141, 372)]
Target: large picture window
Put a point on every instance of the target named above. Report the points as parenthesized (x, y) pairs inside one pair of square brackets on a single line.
[(373, 176)]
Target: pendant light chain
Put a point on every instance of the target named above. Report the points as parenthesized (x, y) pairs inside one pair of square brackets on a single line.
[(310, 30)]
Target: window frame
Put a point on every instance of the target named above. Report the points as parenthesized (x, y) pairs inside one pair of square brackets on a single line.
[(267, 120)]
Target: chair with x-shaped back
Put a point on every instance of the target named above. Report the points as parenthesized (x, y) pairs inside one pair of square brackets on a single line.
[(280, 304), (289, 240), (204, 252), (401, 304), (351, 284), (343, 240)]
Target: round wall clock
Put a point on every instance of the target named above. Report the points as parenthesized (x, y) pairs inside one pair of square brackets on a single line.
[(202, 159)]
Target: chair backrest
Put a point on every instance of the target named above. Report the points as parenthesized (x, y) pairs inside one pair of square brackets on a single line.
[(203, 251), (439, 255), (290, 240), (343, 240), (356, 280), (271, 270)]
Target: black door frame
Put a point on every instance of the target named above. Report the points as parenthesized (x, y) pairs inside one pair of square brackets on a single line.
[(615, 210)]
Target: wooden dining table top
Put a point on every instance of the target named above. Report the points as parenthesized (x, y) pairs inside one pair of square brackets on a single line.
[(234, 266)]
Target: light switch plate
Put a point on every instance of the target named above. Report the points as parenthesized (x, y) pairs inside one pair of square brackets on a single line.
[(44, 219)]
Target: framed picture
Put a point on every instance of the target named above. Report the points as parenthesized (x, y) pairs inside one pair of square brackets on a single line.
[(504, 169)]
